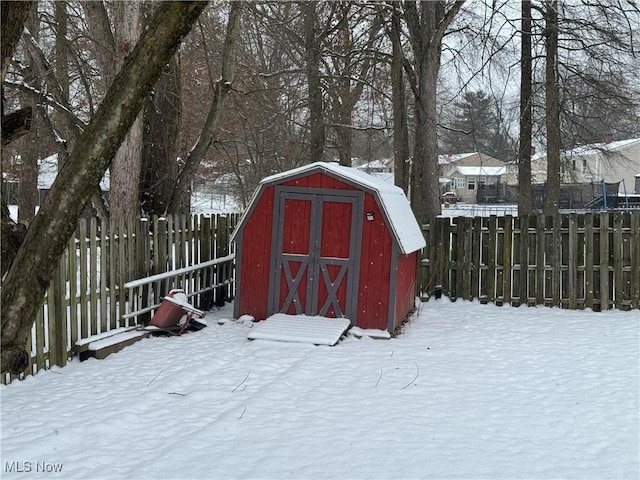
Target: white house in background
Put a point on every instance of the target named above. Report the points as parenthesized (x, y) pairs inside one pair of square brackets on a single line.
[(611, 161), (462, 173), (384, 165), (382, 169)]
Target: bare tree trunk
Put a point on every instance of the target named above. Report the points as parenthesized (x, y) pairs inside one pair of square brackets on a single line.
[(425, 185), (62, 75), (28, 186), (14, 15), (12, 236), (161, 120), (426, 26), (124, 196), (401, 151), (26, 282), (104, 42), (313, 55), (525, 194), (124, 185), (222, 88), (62, 48), (344, 94), (352, 74), (552, 106)]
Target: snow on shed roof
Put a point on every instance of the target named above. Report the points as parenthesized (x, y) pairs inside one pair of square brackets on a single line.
[(393, 201)]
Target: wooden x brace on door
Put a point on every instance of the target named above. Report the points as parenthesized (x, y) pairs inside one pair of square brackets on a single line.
[(332, 289), (294, 283)]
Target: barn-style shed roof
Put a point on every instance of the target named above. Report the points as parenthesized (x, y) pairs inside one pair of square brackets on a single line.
[(393, 202)]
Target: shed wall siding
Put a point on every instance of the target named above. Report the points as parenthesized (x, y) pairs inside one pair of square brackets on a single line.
[(319, 180), (375, 269), (256, 258), (405, 286)]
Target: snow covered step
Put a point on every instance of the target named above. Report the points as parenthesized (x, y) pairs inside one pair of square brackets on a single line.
[(104, 344), (369, 332), (301, 329)]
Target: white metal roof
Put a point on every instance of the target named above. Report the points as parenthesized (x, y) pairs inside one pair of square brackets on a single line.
[(394, 203), (482, 171)]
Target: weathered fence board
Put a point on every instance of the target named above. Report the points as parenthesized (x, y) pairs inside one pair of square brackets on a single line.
[(571, 261), (87, 295)]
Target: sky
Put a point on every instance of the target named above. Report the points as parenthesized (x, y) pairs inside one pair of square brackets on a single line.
[(465, 391)]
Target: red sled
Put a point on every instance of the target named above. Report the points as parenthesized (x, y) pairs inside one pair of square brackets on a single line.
[(175, 314)]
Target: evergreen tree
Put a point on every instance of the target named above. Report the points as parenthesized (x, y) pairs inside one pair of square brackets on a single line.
[(476, 126)]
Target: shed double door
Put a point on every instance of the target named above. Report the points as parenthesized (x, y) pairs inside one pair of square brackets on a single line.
[(315, 255)]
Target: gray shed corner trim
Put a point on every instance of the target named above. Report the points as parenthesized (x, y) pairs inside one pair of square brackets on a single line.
[(247, 213)]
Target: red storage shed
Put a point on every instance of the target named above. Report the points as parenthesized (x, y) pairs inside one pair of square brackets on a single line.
[(328, 240)]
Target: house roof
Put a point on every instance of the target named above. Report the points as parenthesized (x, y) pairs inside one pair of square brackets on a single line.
[(482, 171), (447, 159), (592, 149), (373, 165), (595, 148), (393, 202)]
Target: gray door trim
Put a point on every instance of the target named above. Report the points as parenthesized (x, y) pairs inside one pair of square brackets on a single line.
[(314, 265)]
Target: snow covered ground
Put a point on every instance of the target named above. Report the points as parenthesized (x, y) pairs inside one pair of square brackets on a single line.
[(467, 391), (211, 203)]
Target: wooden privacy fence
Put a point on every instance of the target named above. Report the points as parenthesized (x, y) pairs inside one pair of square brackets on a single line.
[(571, 261), (93, 290)]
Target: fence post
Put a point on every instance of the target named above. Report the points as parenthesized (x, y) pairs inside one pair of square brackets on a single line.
[(572, 261), (507, 264), (58, 317), (93, 277), (618, 250), (476, 233), (635, 259), (604, 261), (143, 260), (206, 237), (222, 249), (104, 276), (467, 252), (556, 260), (588, 260), (540, 261), (443, 254), (113, 269), (455, 256), (40, 336), (123, 268), (84, 321), (491, 267), (524, 260), (72, 250)]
